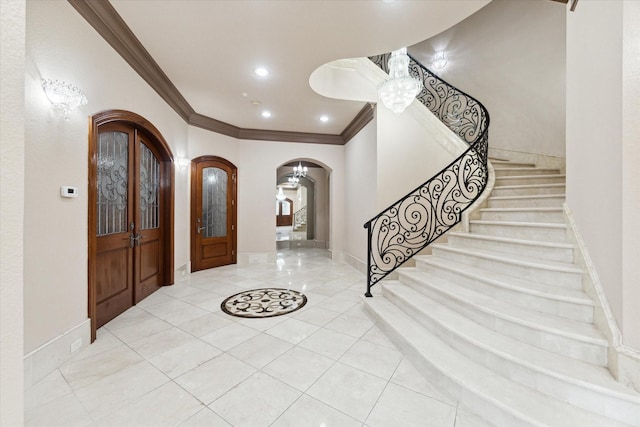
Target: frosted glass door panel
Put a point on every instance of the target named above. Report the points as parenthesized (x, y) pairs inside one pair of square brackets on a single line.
[(112, 179), (149, 188), (214, 202), (286, 208)]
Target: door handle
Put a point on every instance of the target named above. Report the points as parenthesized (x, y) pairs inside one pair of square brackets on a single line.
[(134, 240), (199, 229)]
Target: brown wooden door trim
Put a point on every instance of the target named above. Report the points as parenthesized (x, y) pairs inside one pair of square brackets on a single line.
[(166, 189), (195, 188)]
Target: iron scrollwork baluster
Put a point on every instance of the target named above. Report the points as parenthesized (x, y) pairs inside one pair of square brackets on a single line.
[(427, 212)]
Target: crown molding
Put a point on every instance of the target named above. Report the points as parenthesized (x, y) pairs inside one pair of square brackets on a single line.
[(361, 119), (103, 17), (208, 123), (109, 24)]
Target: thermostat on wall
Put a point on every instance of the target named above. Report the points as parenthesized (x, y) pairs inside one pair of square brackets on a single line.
[(66, 191)]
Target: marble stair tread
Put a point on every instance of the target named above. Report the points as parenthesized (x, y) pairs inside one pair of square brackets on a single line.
[(529, 186), (514, 283), (511, 258), (532, 198), (555, 225), (507, 163), (528, 189), (595, 378), (579, 331), (536, 243), (510, 170), (531, 209), (479, 388), (525, 177)]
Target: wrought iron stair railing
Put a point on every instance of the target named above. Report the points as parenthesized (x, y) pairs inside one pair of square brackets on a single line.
[(406, 227), (299, 217)]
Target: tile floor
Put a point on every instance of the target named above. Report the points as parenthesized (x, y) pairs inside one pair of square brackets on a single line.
[(285, 233), (176, 359)]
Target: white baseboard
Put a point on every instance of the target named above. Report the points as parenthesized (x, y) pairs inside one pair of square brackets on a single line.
[(48, 357), (256, 258), (623, 362), (354, 262)]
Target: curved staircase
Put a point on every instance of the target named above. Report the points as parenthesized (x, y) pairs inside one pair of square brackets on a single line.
[(497, 317)]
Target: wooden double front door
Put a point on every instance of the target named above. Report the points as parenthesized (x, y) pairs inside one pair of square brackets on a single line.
[(213, 212), (131, 250)]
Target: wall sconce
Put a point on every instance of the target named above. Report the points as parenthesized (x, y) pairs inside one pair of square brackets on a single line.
[(439, 61), (64, 96), (280, 194), (183, 162)]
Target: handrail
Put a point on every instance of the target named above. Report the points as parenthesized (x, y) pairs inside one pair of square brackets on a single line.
[(299, 216), (407, 226)]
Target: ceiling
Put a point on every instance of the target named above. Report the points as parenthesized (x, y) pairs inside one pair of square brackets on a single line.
[(209, 50)]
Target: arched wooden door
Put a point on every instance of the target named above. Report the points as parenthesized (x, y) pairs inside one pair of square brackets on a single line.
[(130, 214), (284, 213), (213, 212)]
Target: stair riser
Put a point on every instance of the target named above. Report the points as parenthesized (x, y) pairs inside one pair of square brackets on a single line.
[(547, 340), (498, 164), (524, 232), (556, 387), (550, 277), (538, 252), (529, 180), (527, 191), (546, 202), (564, 309), (482, 405), (523, 216), (524, 171)]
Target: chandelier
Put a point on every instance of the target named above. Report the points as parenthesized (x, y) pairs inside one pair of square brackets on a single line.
[(293, 180), (280, 194), (400, 90), (64, 96), (299, 171)]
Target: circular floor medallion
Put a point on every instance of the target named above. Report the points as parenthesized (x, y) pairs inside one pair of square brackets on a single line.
[(267, 302)]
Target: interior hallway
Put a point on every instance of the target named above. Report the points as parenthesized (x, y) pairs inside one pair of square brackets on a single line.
[(177, 359)]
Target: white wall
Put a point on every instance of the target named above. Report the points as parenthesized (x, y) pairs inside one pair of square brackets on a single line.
[(602, 148), (61, 45), (12, 59), (631, 172), (410, 150), (258, 162), (510, 55), (360, 188)]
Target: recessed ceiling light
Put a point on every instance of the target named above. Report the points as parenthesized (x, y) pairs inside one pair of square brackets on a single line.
[(266, 114), (324, 119), (261, 71)]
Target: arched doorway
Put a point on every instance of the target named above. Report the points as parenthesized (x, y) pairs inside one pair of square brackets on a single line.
[(310, 196), (213, 212), (131, 205)]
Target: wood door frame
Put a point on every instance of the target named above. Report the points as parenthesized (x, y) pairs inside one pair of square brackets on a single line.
[(167, 186), (194, 207), (280, 215)]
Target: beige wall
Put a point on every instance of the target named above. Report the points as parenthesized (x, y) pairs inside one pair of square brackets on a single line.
[(12, 60), (61, 45), (602, 148), (510, 55)]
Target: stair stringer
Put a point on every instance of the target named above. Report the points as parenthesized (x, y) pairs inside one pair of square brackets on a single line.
[(623, 362)]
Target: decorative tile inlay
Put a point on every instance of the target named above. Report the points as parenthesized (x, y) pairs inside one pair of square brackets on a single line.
[(267, 302)]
